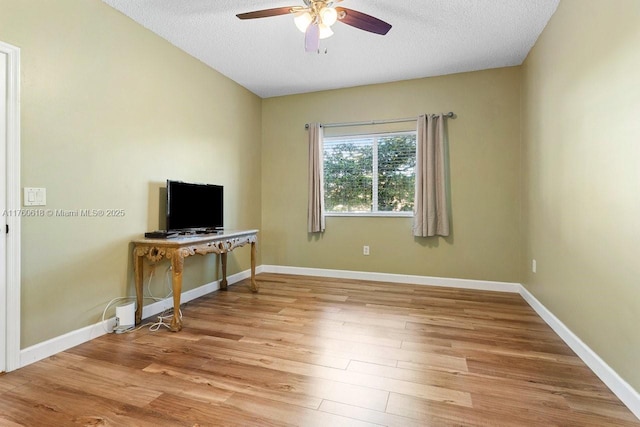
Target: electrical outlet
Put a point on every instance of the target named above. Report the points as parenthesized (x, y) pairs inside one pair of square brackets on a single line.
[(533, 266), (365, 250)]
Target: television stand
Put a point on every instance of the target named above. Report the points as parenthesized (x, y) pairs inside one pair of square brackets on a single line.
[(177, 249)]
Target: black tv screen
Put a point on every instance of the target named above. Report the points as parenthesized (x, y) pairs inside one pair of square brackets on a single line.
[(194, 206)]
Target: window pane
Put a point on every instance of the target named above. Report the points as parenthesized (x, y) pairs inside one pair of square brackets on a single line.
[(360, 171), (348, 174), (396, 173)]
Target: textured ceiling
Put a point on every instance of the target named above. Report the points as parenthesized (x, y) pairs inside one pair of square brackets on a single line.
[(428, 38)]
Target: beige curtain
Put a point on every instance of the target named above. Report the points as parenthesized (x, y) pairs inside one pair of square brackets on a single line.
[(431, 216), (315, 214)]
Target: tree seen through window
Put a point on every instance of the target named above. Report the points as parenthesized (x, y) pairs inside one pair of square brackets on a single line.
[(370, 173)]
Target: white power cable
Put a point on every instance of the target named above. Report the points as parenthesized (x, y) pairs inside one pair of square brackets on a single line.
[(162, 318)]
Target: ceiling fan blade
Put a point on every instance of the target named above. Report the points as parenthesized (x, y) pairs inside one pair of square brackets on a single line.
[(268, 12), (312, 38), (362, 21)]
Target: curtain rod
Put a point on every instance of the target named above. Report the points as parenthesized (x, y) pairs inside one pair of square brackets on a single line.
[(375, 122)]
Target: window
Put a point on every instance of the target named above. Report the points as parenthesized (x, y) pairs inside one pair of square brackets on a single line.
[(370, 174)]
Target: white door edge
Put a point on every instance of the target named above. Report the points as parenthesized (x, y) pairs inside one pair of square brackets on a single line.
[(12, 194)]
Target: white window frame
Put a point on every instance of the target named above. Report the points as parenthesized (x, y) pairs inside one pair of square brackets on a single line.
[(374, 196)]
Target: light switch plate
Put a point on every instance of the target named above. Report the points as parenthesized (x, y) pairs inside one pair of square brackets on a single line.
[(35, 196)]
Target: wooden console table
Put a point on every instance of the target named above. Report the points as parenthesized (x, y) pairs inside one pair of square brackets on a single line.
[(177, 249)]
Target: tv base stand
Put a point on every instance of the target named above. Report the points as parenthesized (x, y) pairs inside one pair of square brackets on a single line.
[(177, 249)]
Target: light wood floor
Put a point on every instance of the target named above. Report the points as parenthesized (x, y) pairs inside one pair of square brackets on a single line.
[(322, 352)]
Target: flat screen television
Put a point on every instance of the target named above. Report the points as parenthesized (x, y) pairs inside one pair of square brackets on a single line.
[(192, 206)]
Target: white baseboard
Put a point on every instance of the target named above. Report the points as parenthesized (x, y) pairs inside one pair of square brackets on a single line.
[(71, 339), (55, 345), (484, 285), (627, 394)]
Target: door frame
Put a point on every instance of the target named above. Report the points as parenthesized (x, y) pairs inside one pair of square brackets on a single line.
[(12, 300)]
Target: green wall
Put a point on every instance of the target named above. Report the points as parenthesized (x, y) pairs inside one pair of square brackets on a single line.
[(484, 150), (109, 112), (543, 165), (581, 175)]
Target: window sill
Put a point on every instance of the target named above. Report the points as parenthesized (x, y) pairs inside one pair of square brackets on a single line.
[(371, 214)]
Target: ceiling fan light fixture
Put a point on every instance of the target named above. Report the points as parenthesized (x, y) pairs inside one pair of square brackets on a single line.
[(302, 20), (316, 17), (329, 16), (325, 31)]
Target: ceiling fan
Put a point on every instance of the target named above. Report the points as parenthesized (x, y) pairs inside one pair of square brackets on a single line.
[(316, 18)]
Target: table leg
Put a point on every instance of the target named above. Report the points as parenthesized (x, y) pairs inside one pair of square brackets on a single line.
[(177, 264), (223, 261), (138, 269), (254, 284)]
